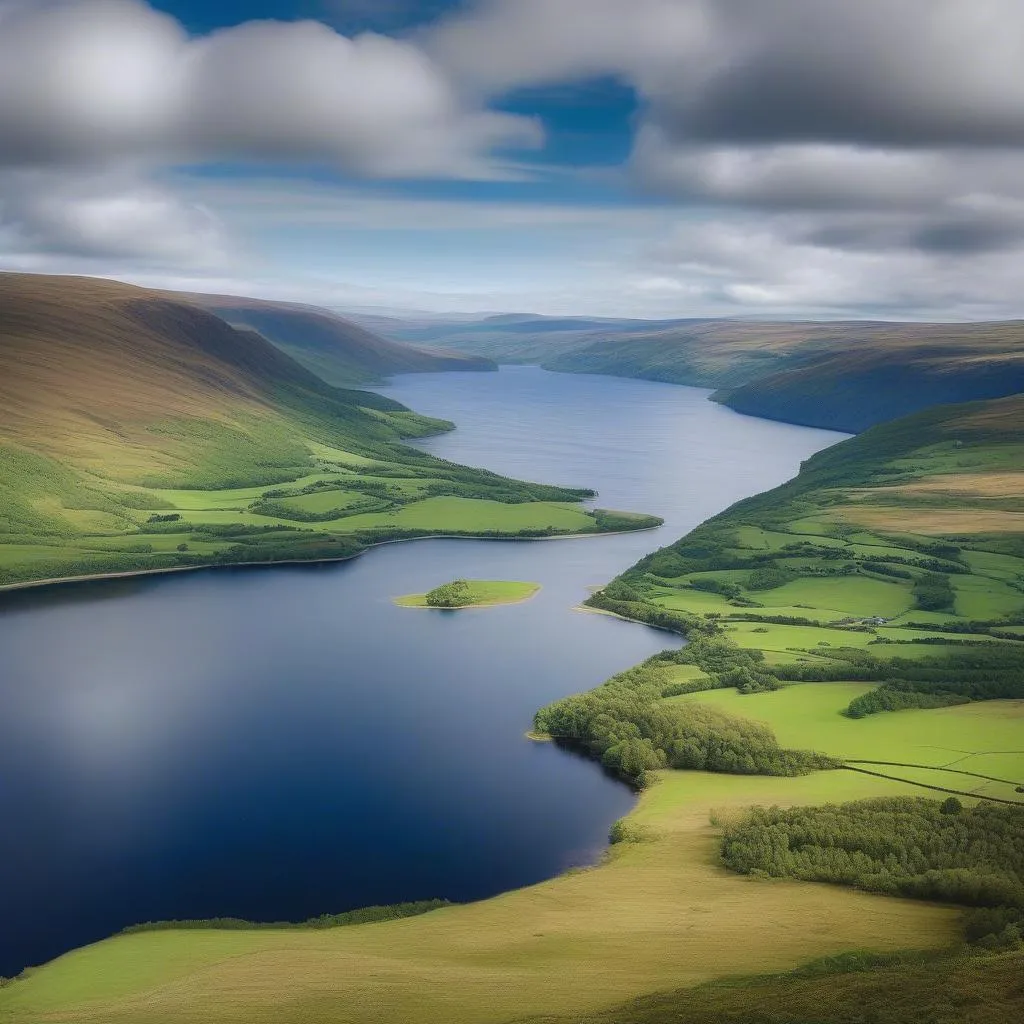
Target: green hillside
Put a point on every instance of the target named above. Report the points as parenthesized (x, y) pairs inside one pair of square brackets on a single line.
[(139, 432), (894, 560)]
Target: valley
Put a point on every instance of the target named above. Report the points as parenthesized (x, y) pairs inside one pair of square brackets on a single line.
[(854, 634)]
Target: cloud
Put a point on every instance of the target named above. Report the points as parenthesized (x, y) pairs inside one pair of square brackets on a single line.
[(106, 217), (830, 156), (876, 72), (822, 157), (785, 266), (95, 81), (800, 103)]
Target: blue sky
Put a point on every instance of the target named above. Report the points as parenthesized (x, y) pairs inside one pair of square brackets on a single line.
[(656, 158)]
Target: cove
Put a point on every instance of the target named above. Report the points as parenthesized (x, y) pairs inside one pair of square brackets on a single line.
[(278, 743)]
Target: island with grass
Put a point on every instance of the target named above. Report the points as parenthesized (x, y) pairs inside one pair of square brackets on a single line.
[(471, 594)]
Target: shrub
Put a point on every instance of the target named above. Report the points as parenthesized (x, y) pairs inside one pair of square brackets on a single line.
[(450, 595)]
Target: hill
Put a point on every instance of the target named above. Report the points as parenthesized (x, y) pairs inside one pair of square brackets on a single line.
[(138, 431), (842, 375), (504, 338), (337, 349), (894, 560)]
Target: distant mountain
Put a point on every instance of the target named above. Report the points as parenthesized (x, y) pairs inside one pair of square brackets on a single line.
[(337, 349), (842, 375), (504, 337), (845, 375)]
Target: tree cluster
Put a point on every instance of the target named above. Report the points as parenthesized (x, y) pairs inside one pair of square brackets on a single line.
[(904, 846), (633, 731), (450, 595)]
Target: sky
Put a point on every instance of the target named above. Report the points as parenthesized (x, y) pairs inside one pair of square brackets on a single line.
[(638, 158)]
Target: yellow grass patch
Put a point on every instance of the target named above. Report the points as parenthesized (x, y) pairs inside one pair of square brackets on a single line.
[(981, 485), (937, 522)]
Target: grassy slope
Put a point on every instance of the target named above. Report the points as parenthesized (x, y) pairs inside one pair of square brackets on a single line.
[(340, 351), (118, 405), (949, 989), (480, 594), (873, 505)]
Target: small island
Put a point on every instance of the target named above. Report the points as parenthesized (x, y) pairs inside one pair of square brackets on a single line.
[(471, 594)]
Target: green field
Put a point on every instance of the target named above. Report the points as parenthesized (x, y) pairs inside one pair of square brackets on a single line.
[(332, 513), (983, 738), (481, 594)]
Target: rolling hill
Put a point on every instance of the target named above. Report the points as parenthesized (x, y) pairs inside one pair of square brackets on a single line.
[(841, 375), (335, 348), (139, 431), (889, 377), (505, 337)]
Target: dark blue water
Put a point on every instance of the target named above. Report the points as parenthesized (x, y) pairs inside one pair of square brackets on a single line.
[(276, 744)]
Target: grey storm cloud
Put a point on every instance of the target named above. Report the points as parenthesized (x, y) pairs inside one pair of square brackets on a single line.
[(926, 73), (945, 234), (875, 72)]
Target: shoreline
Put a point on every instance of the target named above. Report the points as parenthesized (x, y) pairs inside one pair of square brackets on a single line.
[(57, 581)]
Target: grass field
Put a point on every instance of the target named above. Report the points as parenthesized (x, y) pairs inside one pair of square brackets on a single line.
[(984, 738), (839, 556), (480, 594)]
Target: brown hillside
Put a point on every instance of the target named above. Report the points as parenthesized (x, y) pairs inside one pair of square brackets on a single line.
[(333, 347), (93, 371)]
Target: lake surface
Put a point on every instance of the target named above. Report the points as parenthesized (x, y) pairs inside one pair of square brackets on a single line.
[(276, 744)]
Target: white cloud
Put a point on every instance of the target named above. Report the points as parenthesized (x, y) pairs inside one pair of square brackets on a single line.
[(777, 265), (106, 216), (824, 156), (92, 81)]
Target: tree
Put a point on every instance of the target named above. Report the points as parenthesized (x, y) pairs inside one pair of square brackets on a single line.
[(450, 595)]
